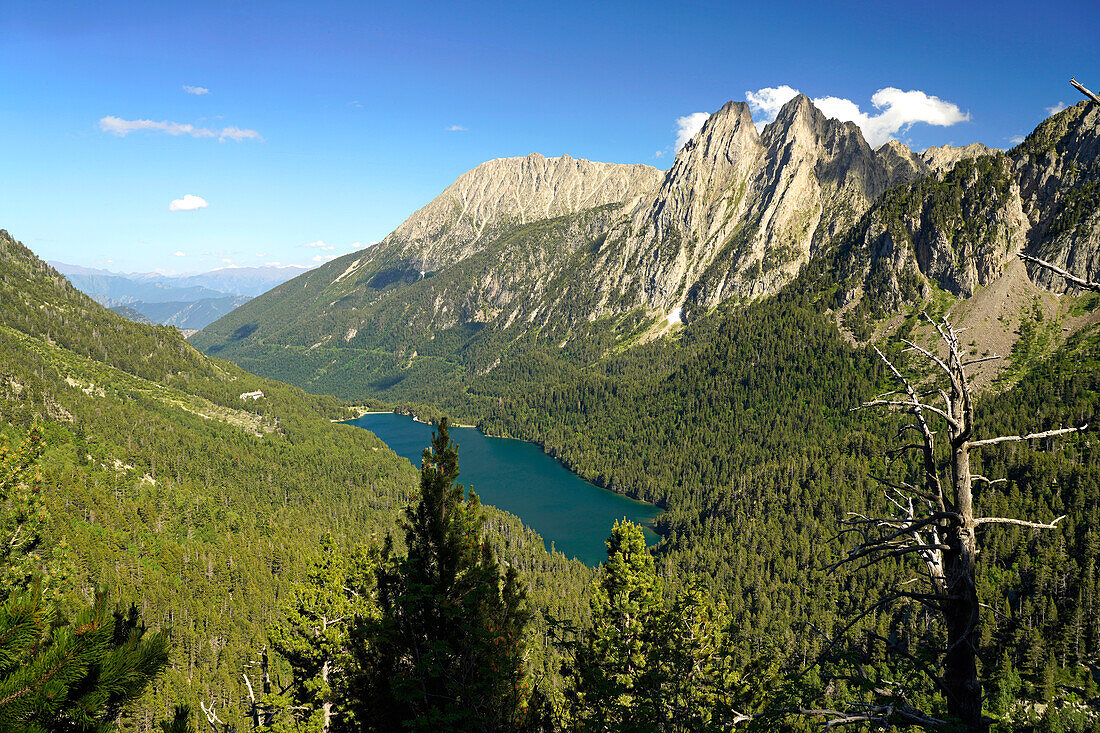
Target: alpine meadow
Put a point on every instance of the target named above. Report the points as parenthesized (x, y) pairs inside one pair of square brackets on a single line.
[(789, 428)]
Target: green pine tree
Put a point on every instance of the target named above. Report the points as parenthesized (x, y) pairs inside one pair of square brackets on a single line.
[(314, 633), (614, 681), (59, 672), (694, 664), (448, 650)]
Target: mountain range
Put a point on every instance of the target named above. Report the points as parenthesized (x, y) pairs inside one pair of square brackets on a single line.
[(561, 247), (188, 302), (696, 339)]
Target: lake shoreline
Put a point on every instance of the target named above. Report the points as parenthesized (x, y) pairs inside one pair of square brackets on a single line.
[(567, 510), (540, 446)]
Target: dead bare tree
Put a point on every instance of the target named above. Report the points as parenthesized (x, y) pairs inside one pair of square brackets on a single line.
[(1077, 85), (1084, 284), (212, 718), (933, 522)]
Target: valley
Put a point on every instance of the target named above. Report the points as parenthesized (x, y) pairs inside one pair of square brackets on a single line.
[(671, 366)]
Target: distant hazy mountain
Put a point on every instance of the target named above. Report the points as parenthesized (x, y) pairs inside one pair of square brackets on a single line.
[(184, 315), (250, 281), (112, 288), (186, 301), (154, 287)]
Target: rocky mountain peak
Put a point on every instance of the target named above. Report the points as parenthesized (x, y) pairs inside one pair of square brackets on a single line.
[(799, 110), (899, 163), (739, 212), (508, 191)]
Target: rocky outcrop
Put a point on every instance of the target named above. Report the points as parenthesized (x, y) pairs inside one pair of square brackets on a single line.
[(740, 212), (1059, 178), (959, 229), (942, 158)]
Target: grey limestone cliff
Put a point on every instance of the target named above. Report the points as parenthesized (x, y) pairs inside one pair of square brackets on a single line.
[(740, 212), (959, 228), (510, 191)]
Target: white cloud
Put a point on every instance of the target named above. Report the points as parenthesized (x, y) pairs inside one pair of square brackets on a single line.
[(687, 126), (898, 110), (178, 253), (319, 244), (122, 128), (324, 258), (237, 134), (188, 203), (765, 103), (659, 154), (198, 91), (456, 128), (356, 245), (1056, 108), (1016, 139)]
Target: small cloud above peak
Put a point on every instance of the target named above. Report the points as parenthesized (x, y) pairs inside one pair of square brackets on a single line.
[(687, 126), (1056, 108), (197, 91), (178, 253), (765, 103), (319, 244), (188, 203), (898, 110), (455, 128)]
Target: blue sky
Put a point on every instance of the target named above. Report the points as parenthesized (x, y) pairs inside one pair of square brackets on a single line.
[(332, 122)]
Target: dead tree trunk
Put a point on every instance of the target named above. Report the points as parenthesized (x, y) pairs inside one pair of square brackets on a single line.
[(936, 524), (1073, 279), (1077, 85)]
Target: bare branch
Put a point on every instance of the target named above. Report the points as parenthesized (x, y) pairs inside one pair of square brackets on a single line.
[(1019, 522), (991, 357), (979, 477), (1086, 284), (1077, 85), (882, 714), (931, 477), (912, 405), (1029, 436), (907, 488), (211, 716), (928, 354)]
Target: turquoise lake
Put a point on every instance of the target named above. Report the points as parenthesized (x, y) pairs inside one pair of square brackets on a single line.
[(518, 477)]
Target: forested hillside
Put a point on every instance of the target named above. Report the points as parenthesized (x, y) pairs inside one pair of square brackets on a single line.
[(175, 494), (740, 422)]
